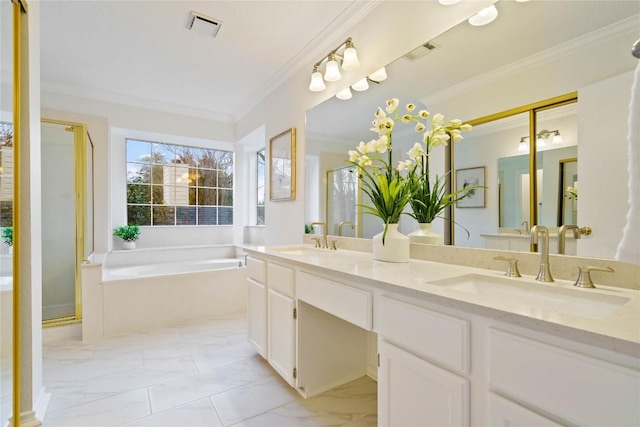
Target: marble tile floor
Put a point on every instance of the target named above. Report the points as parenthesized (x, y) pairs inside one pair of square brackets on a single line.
[(199, 374)]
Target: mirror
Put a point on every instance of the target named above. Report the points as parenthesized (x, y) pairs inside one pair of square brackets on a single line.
[(474, 72), (342, 202)]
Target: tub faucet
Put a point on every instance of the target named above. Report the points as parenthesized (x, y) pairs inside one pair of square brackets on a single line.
[(544, 274), (561, 235), (324, 233), (343, 223), (525, 225)]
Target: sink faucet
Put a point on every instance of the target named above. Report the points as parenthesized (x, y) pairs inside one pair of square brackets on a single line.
[(561, 235), (345, 223), (324, 233), (544, 274), (525, 223)]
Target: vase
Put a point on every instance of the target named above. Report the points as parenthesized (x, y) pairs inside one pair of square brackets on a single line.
[(424, 234), (128, 245), (395, 247)]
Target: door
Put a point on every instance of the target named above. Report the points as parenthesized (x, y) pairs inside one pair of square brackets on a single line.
[(257, 314), (413, 392), (281, 334)]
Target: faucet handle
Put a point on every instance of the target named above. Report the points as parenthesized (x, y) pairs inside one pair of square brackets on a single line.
[(317, 240), (334, 245), (584, 277), (512, 269)]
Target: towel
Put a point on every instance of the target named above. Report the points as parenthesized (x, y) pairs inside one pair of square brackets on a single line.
[(629, 247)]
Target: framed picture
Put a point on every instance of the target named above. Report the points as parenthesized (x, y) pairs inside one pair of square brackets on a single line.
[(467, 177), (282, 166)]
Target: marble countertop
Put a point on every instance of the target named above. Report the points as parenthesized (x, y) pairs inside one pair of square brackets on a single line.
[(614, 327)]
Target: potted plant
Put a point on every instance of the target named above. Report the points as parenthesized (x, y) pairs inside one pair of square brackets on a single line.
[(7, 237), (128, 233)]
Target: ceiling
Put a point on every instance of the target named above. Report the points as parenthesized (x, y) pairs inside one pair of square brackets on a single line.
[(141, 52)]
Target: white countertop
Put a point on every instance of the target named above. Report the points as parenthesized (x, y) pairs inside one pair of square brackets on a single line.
[(617, 330)]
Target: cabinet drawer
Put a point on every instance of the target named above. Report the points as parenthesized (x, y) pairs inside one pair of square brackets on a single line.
[(573, 386), (350, 304), (281, 279), (503, 412), (436, 336), (257, 269)]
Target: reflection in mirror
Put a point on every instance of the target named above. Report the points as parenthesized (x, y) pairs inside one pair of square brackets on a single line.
[(574, 47), (568, 211), (342, 201)]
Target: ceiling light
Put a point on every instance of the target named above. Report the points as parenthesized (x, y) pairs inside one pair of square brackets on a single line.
[(360, 85), (379, 75), (332, 70), (448, 2), (350, 57), (317, 83), (484, 17), (344, 94), (344, 55)]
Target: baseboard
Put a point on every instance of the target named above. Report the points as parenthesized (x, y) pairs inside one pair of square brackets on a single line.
[(62, 333), (42, 403)]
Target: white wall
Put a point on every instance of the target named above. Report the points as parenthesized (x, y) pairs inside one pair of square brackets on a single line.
[(602, 160)]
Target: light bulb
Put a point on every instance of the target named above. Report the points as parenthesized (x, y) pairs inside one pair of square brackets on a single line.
[(484, 17), (557, 138), (344, 94), (523, 146), (317, 84), (332, 72), (379, 75), (448, 2), (350, 59), (360, 85)]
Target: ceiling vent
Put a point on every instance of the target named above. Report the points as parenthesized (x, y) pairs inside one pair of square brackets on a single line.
[(203, 24), (421, 51)]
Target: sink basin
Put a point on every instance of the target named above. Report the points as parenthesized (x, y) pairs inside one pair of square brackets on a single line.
[(531, 297)]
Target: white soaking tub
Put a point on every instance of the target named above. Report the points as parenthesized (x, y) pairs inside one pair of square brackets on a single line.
[(145, 289)]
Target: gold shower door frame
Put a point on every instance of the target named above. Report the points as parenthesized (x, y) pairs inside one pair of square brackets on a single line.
[(80, 173)]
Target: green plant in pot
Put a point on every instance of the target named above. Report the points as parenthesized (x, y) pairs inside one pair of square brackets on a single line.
[(7, 236), (128, 233)]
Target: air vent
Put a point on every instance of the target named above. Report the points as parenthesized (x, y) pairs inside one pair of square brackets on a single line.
[(203, 24), (421, 51)]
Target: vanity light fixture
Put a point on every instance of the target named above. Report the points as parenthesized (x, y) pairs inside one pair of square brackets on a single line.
[(361, 85), (524, 144), (557, 138), (541, 140), (379, 76), (345, 56), (484, 17), (344, 94), (448, 2)]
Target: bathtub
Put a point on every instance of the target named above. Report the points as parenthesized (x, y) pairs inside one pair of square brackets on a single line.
[(145, 289)]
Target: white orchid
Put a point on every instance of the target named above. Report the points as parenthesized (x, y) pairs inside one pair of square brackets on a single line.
[(406, 118), (363, 148), (419, 127), (404, 165), (423, 114), (353, 156), (380, 113), (416, 152), (392, 105), (410, 107)]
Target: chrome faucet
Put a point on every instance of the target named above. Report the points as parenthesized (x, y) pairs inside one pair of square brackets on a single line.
[(563, 231), (324, 233), (525, 223), (343, 223), (544, 274)]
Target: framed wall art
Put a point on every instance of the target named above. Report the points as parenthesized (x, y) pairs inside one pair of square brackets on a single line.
[(468, 177), (282, 166)]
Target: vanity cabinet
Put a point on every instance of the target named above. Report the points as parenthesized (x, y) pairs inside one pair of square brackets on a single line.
[(503, 412), (281, 321), (418, 349), (257, 304)]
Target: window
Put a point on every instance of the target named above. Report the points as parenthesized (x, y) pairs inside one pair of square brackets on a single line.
[(171, 184), (261, 189), (6, 174)]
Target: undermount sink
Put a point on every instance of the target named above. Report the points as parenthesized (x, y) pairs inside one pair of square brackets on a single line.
[(523, 296)]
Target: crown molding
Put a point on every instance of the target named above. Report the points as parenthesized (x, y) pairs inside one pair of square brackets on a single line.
[(117, 98), (605, 34)]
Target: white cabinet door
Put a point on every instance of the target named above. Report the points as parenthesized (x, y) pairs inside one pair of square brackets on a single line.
[(281, 334), (257, 316), (503, 412), (413, 392)]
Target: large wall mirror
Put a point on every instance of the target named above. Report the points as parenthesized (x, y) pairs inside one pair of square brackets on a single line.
[(580, 48)]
